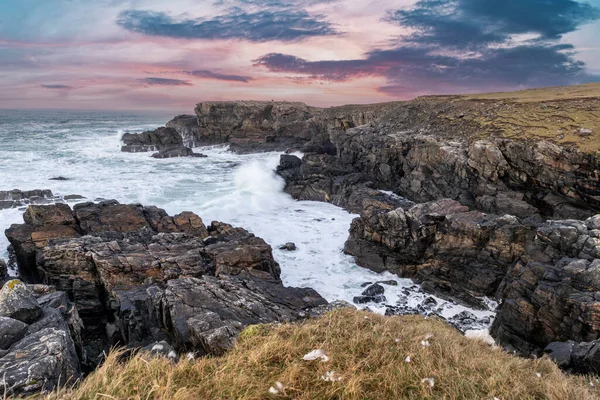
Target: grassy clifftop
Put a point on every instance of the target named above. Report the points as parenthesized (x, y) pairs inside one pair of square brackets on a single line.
[(368, 353)]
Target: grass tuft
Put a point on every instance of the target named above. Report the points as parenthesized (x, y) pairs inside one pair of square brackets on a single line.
[(368, 352)]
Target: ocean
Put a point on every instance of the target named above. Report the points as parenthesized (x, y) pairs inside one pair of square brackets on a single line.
[(243, 190)]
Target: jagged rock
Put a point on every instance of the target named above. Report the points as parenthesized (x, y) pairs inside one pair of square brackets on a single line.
[(208, 313), (46, 353), (119, 266), (41, 361), (369, 299), (156, 140), (442, 244), (11, 331), (18, 302), (373, 290), (187, 127), (289, 246), (288, 161), (176, 151), (17, 198), (389, 283), (551, 294), (582, 358), (3, 270)]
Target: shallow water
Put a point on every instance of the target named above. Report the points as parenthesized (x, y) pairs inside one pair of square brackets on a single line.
[(239, 189)]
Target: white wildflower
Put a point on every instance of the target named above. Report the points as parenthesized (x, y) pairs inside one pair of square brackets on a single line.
[(592, 384), (190, 356), (429, 381), (425, 343), (278, 388), (397, 340), (538, 374), (331, 377), (316, 354), (407, 359)]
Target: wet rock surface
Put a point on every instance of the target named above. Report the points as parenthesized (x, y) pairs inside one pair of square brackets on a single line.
[(18, 198), (137, 276), (177, 151), (156, 140), (44, 352)]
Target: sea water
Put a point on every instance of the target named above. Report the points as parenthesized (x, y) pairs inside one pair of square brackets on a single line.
[(242, 190)]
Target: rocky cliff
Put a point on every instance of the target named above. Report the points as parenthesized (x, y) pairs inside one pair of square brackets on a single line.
[(457, 192), (136, 276)]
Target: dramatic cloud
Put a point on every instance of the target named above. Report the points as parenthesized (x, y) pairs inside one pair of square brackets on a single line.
[(283, 25), (164, 82), (465, 45), (63, 87), (205, 74)]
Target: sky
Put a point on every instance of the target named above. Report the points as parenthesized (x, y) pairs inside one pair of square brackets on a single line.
[(170, 55)]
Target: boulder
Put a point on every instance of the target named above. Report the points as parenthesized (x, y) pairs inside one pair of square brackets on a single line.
[(373, 290), (44, 354), (11, 331), (289, 246), (156, 140), (18, 302), (176, 151)]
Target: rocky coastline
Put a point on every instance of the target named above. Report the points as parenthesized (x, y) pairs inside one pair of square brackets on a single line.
[(450, 196), (447, 194)]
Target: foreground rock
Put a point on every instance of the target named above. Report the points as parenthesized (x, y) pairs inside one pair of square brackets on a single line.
[(139, 276), (40, 339)]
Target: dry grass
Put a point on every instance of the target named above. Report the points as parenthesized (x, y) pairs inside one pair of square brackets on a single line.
[(588, 90), (368, 351)]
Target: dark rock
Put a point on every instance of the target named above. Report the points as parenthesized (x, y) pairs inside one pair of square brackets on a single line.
[(155, 140), (429, 302), (462, 253), (288, 246), (39, 362), (17, 302), (139, 276), (17, 198), (366, 284), (369, 299), (187, 127), (71, 197), (389, 283), (550, 295), (59, 178), (11, 331), (373, 290), (176, 151), (288, 161)]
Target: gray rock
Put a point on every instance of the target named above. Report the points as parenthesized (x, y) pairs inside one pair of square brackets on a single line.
[(18, 302), (289, 246), (176, 151), (373, 290), (11, 331), (41, 361)]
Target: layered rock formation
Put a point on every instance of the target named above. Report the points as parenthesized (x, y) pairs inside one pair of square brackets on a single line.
[(18, 198), (166, 141), (40, 339), (138, 275)]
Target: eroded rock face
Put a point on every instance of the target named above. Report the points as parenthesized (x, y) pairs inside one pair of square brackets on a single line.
[(41, 354), (176, 151), (441, 244), (18, 198), (119, 262), (155, 140), (552, 295)]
